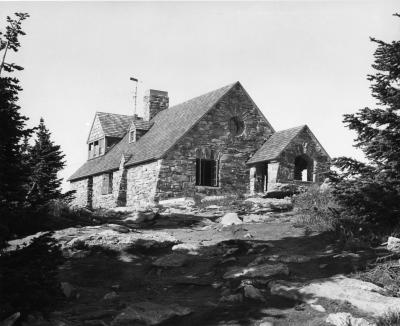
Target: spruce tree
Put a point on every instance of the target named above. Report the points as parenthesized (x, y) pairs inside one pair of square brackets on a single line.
[(46, 160), (13, 171), (370, 192)]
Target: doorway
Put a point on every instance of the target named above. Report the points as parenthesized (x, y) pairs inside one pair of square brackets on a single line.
[(261, 176)]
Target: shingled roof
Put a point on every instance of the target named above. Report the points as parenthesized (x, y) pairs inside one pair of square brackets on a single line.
[(276, 144), (114, 125), (168, 127)]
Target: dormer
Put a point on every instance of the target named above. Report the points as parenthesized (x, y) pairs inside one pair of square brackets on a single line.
[(138, 128), (106, 131)]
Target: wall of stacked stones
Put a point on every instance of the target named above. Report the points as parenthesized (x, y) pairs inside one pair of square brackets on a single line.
[(108, 200), (81, 188), (302, 144), (178, 168), (142, 183)]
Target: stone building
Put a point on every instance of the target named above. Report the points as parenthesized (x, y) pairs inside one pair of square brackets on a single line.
[(219, 143)]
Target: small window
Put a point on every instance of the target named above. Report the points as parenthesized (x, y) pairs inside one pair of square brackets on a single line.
[(90, 150), (207, 172), (107, 185), (132, 136)]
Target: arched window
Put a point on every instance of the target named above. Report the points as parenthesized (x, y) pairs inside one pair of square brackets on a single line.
[(207, 168)]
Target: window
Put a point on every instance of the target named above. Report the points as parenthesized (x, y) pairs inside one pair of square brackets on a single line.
[(132, 136), (96, 148), (107, 185), (206, 172)]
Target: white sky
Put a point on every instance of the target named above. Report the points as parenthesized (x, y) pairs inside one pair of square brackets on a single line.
[(302, 62)]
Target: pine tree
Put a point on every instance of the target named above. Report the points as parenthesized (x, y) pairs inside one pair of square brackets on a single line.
[(13, 173), (370, 192), (46, 160)]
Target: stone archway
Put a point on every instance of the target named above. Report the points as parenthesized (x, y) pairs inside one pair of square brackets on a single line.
[(303, 168)]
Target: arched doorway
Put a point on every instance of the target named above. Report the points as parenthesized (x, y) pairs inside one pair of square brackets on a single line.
[(303, 168)]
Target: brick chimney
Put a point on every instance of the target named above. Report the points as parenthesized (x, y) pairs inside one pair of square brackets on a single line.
[(154, 102)]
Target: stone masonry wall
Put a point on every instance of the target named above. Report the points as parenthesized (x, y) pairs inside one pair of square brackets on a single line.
[(81, 188), (302, 144), (141, 183), (178, 168)]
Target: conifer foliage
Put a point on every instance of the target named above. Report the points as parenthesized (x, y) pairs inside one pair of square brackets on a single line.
[(370, 192), (45, 160), (13, 172)]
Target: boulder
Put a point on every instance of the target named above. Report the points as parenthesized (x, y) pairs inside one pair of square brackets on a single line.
[(148, 313), (365, 296), (255, 218), (252, 292), (230, 219), (258, 271), (171, 260), (282, 190), (119, 228), (346, 319), (190, 248), (393, 245)]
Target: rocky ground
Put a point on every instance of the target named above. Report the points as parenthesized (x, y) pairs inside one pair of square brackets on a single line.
[(248, 265)]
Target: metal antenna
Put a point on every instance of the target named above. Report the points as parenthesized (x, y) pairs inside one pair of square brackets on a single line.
[(135, 95)]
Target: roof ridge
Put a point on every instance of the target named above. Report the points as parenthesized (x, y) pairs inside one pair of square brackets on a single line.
[(204, 94)]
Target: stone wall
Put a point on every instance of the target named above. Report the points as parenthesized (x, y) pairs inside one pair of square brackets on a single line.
[(142, 183), (178, 168), (81, 195), (303, 144)]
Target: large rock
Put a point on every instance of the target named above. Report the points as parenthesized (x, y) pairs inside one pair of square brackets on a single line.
[(282, 190), (259, 271), (393, 245), (256, 218), (346, 319), (252, 292), (365, 296), (148, 313), (230, 219)]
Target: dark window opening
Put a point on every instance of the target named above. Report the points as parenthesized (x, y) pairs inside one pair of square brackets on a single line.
[(206, 172), (107, 184), (302, 168)]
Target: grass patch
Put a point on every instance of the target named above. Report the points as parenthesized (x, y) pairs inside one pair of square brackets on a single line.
[(316, 209), (386, 275), (391, 318)]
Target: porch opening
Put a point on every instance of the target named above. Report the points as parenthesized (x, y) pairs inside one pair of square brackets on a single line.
[(303, 168)]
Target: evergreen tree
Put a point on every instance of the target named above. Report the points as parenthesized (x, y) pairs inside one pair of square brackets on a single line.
[(370, 192), (13, 172), (46, 160)]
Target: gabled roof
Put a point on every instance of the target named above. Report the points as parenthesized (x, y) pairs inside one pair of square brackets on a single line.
[(114, 125), (169, 126), (142, 124), (277, 143)]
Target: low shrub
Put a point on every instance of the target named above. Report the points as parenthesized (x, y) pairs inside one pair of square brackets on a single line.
[(386, 275), (28, 278), (391, 318), (316, 209)]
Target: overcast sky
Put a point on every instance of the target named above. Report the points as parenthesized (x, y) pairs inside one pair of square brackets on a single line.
[(301, 62)]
